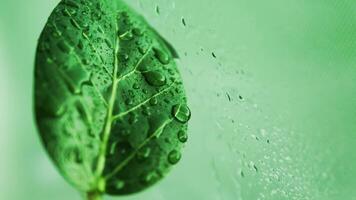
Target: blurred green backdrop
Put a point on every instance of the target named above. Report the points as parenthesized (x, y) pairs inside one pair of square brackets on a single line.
[(274, 114)]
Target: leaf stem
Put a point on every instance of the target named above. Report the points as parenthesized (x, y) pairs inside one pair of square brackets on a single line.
[(93, 196)]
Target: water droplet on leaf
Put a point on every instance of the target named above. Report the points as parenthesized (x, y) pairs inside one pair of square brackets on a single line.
[(173, 157), (181, 112), (153, 101), (161, 56), (182, 136), (136, 86), (143, 153), (137, 31), (155, 78), (119, 184)]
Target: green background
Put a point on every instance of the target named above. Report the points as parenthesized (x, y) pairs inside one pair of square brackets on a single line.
[(274, 114)]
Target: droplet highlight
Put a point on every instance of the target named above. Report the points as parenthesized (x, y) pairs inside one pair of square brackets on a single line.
[(182, 136), (181, 112), (174, 156), (155, 78)]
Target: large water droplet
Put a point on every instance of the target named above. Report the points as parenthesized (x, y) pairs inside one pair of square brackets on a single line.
[(182, 136), (181, 112), (155, 78), (174, 156), (161, 56)]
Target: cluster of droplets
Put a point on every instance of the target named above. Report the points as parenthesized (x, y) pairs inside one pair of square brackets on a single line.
[(81, 44), (152, 91)]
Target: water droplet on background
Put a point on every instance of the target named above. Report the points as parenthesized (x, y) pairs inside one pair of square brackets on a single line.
[(155, 78), (161, 56)]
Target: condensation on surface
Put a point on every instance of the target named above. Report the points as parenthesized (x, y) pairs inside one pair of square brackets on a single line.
[(268, 85)]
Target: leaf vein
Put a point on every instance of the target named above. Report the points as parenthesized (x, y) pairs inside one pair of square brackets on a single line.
[(75, 54), (134, 153), (128, 74), (89, 41)]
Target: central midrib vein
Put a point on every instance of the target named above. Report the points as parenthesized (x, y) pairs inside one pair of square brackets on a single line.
[(109, 119)]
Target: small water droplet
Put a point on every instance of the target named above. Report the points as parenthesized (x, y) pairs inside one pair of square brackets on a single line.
[(213, 54), (133, 118), (145, 91), (228, 96), (142, 49), (129, 102), (167, 140), (125, 132), (96, 16), (161, 56), (171, 71), (137, 31), (119, 184), (153, 101), (75, 155), (143, 153), (146, 111), (155, 78), (255, 167), (124, 14), (113, 148), (181, 112), (124, 56), (183, 22), (157, 10), (136, 86), (174, 156), (80, 45), (182, 136), (149, 177), (85, 61)]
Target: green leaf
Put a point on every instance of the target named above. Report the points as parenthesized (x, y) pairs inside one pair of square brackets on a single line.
[(110, 105)]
